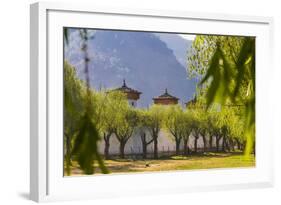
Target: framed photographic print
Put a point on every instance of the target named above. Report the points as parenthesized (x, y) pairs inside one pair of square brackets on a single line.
[(129, 102)]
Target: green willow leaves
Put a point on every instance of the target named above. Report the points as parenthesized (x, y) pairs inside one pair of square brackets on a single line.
[(229, 76), (74, 92), (86, 146)]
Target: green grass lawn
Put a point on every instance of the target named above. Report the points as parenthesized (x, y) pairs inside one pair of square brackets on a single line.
[(203, 161)]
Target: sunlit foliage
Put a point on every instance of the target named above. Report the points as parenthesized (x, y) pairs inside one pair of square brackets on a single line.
[(74, 93), (226, 67), (85, 143)]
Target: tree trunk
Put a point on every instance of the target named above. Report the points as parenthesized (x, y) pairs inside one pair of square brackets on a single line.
[(106, 145), (185, 147), (243, 145), (231, 145), (226, 145), (144, 151), (155, 154), (211, 142), (178, 141), (217, 143), (223, 144), (204, 143), (238, 144), (195, 144), (144, 145), (106, 149), (122, 149)]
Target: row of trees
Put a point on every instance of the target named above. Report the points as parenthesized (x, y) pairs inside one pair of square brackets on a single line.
[(114, 117)]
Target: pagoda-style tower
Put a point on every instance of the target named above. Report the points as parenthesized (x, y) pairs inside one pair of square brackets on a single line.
[(132, 95), (166, 99)]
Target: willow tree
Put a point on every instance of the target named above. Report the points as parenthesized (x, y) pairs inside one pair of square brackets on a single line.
[(186, 130), (199, 120), (110, 104), (214, 128), (173, 122), (202, 117), (126, 122), (154, 124), (195, 128), (226, 125), (143, 123)]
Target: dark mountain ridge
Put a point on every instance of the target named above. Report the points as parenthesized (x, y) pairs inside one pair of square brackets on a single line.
[(142, 58)]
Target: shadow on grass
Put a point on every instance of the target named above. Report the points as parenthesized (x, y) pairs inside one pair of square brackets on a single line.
[(201, 160), (183, 157), (201, 155)]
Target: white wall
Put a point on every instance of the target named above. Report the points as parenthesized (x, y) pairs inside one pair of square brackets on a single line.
[(166, 143), (14, 103)]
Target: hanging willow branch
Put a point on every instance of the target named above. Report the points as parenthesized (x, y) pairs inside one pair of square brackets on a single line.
[(86, 142), (228, 80)]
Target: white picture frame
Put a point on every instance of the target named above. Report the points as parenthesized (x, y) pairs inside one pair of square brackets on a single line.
[(46, 176)]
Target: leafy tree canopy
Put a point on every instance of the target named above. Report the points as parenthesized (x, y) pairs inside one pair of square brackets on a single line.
[(226, 67)]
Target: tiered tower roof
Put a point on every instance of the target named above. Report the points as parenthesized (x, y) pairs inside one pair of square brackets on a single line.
[(166, 99), (131, 93)]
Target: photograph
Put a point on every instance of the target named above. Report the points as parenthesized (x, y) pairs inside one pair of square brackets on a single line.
[(149, 101)]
